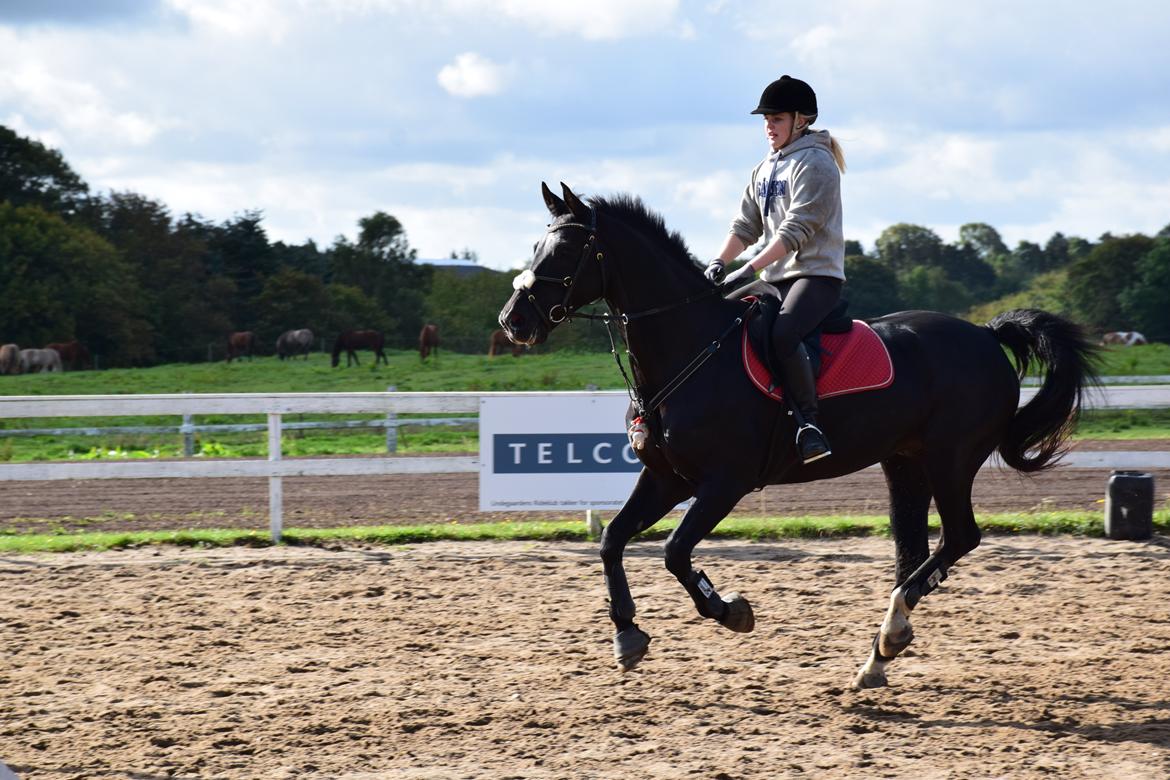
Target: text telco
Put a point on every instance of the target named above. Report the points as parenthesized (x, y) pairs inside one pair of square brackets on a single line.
[(562, 453)]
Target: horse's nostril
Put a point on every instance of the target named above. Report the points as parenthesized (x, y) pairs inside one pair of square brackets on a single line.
[(516, 320)]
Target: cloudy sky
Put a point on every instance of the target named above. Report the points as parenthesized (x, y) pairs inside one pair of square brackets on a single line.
[(1031, 116)]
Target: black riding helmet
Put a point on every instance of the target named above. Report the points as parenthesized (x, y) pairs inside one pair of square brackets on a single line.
[(788, 94)]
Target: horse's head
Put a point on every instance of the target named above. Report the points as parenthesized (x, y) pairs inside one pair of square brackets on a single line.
[(565, 273)]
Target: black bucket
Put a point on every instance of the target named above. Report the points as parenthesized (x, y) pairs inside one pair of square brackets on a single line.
[(1129, 505)]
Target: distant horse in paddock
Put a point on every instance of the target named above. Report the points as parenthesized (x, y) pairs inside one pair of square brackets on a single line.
[(9, 359), (500, 342), (352, 340), (74, 355), (36, 361), (428, 341), (1124, 338), (294, 342), (241, 344)]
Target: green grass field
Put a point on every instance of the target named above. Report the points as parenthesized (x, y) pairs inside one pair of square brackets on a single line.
[(746, 528), (451, 372)]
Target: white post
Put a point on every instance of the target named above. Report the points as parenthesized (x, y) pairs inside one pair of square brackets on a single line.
[(592, 524), (275, 484), (391, 426)]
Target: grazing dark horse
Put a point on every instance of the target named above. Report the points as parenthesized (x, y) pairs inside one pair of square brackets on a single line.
[(294, 342), (241, 344), (74, 355), (352, 340), (428, 341), (500, 342), (714, 438)]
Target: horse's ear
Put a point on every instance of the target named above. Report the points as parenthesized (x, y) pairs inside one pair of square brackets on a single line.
[(579, 209), (556, 206)]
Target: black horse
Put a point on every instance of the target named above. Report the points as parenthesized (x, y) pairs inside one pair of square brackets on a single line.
[(351, 340), (714, 437)]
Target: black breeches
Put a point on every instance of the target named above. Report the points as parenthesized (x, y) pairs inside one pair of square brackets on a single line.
[(806, 302)]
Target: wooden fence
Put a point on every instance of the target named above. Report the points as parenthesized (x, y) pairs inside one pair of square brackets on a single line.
[(275, 405)]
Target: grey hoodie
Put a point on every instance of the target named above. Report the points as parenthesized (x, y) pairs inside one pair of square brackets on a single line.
[(801, 185)]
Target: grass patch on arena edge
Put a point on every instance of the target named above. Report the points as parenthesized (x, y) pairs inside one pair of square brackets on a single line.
[(748, 528)]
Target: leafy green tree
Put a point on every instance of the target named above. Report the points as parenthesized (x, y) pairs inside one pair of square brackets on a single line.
[(381, 264), (931, 288), (291, 300), (351, 309), (239, 250), (903, 247), (60, 281), (983, 239), (1056, 252), (186, 307), (853, 248), (466, 307), (871, 287), (1145, 303), (963, 265), (32, 174), (1095, 281)]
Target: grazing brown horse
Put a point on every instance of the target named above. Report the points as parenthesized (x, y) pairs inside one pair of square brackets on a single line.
[(9, 359), (73, 354), (500, 342), (241, 344), (352, 340), (428, 341)]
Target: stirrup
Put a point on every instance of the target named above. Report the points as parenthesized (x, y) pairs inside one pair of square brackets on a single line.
[(815, 446)]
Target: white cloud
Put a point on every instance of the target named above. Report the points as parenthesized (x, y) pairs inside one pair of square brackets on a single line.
[(596, 20), (69, 107), (472, 75)]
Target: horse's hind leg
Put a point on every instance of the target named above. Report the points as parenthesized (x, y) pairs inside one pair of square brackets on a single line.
[(951, 484), (653, 496), (709, 508)]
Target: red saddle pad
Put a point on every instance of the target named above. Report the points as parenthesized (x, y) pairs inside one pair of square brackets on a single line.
[(851, 362)]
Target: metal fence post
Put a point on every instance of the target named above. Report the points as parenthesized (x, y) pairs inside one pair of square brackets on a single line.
[(275, 483), (391, 426)]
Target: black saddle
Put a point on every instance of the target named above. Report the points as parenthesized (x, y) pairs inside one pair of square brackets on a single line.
[(760, 326)]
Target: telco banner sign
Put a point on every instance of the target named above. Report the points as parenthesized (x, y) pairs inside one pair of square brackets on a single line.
[(557, 451)]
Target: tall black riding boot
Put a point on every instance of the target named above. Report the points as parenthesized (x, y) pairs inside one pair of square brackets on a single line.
[(801, 388)]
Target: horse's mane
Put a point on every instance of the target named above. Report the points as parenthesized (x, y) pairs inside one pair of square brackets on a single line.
[(633, 212)]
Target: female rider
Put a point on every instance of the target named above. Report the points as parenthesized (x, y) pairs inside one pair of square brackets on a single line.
[(793, 202)]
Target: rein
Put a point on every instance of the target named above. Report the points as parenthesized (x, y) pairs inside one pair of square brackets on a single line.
[(561, 312)]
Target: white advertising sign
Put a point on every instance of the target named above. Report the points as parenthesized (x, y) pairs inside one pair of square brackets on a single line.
[(563, 451)]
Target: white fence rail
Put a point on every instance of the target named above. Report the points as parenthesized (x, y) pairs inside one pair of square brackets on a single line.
[(275, 405)]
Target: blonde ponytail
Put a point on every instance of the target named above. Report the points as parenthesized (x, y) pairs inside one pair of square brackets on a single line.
[(838, 152)]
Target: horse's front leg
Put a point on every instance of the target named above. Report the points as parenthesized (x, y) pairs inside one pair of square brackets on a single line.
[(710, 507), (653, 496)]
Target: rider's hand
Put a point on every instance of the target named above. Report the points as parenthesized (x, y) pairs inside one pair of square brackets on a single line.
[(742, 275), (715, 271)]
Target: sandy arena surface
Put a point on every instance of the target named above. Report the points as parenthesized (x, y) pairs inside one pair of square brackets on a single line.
[(1039, 657)]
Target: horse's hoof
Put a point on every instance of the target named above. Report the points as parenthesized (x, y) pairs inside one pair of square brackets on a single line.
[(629, 647), (739, 616), (874, 679)]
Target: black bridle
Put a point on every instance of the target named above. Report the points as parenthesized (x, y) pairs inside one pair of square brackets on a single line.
[(560, 312)]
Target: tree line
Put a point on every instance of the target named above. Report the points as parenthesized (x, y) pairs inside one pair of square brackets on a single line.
[(141, 286)]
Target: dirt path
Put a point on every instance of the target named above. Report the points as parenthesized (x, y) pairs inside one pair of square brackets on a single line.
[(1038, 658), (441, 498)]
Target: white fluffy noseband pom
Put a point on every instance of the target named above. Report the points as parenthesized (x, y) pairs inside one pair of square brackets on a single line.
[(524, 280)]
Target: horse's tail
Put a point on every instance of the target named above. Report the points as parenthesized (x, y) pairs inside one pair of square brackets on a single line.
[(1069, 362)]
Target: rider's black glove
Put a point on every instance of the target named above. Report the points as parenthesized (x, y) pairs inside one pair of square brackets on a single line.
[(715, 271)]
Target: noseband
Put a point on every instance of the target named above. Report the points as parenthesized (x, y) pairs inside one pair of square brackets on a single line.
[(559, 312)]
